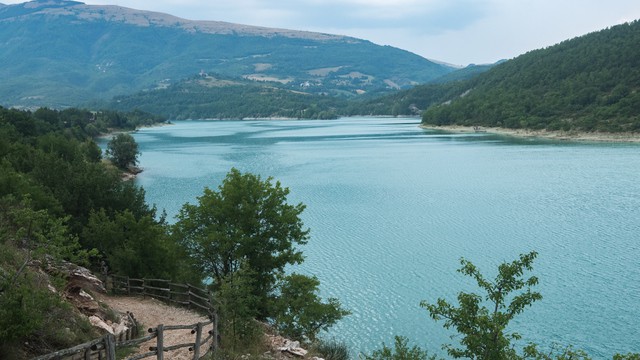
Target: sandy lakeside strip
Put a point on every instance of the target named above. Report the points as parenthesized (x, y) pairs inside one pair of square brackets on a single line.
[(543, 134)]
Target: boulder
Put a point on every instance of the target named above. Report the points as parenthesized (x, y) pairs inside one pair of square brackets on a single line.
[(99, 323), (293, 348)]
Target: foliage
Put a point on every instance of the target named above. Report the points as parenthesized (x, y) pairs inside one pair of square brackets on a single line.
[(331, 349), (123, 150), (29, 312), (590, 83), (45, 237), (124, 239), (406, 102), (236, 306), (483, 329), (300, 312), (401, 351), (230, 98), (556, 353), (51, 182), (247, 221), (629, 356)]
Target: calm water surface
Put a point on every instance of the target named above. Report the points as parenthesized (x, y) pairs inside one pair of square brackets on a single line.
[(392, 208)]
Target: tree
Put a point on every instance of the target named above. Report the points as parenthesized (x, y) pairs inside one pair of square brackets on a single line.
[(401, 352), (300, 312), (123, 150), (248, 220), (124, 240), (482, 328), (236, 306)]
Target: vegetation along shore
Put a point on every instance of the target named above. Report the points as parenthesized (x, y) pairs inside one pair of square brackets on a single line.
[(542, 134)]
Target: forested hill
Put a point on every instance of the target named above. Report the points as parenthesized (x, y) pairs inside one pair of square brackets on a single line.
[(590, 83), (58, 53), (216, 97)]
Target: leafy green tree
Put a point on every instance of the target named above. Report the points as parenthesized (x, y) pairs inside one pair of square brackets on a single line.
[(248, 220), (300, 312), (483, 328), (124, 240), (402, 351), (123, 150), (236, 306)]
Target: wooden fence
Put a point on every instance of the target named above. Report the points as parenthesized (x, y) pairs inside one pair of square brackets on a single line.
[(105, 347), (187, 295)]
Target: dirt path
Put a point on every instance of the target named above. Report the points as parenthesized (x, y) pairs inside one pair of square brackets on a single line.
[(151, 313)]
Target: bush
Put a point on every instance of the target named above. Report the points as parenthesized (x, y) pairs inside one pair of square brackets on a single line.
[(400, 352), (331, 349)]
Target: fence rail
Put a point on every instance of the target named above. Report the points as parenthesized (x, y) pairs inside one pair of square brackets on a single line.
[(190, 296), (181, 294)]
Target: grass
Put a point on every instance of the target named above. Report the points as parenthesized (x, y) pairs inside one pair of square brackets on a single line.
[(331, 349)]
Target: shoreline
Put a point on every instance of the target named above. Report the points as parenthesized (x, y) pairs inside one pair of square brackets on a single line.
[(542, 134)]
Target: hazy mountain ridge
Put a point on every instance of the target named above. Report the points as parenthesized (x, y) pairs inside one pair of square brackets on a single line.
[(70, 53), (149, 18)]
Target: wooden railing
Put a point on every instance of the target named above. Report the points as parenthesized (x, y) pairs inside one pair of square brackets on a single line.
[(187, 295), (105, 347), (192, 297), (160, 348)]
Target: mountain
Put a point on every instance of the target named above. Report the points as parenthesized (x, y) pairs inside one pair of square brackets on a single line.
[(589, 83), (60, 53)]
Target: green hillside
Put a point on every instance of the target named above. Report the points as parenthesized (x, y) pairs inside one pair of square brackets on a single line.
[(209, 97), (60, 53), (590, 83), (414, 100)]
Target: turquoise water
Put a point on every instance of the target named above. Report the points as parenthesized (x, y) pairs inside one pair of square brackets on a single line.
[(392, 208)]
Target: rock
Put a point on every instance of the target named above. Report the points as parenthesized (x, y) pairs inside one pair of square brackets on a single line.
[(97, 322), (293, 347), (120, 328), (86, 279), (81, 300)]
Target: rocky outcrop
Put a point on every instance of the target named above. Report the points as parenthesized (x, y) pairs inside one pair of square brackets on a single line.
[(285, 346), (81, 284), (110, 327)]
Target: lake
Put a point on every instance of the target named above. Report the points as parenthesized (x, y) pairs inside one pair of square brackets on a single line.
[(392, 208)]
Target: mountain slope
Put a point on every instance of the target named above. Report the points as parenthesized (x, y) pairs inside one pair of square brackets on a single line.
[(209, 97), (57, 53), (590, 83)]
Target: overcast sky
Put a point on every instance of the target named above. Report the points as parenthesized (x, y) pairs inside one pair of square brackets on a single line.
[(453, 31)]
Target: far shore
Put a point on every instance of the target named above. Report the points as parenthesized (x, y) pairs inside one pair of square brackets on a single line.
[(543, 134)]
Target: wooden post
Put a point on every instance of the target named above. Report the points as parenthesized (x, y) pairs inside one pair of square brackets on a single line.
[(215, 334), (196, 347), (160, 342), (110, 346), (87, 354), (128, 287), (189, 296)]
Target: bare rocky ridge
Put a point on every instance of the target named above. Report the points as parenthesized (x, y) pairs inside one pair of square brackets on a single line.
[(149, 18)]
